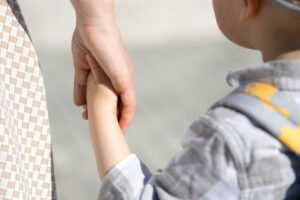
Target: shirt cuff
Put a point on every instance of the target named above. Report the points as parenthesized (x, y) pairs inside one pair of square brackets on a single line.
[(125, 180)]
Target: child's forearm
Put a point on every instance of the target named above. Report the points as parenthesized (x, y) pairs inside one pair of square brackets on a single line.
[(109, 144)]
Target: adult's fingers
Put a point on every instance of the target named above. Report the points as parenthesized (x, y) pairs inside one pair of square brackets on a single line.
[(80, 83), (95, 67), (85, 115), (97, 71), (128, 105), (113, 58), (85, 112), (81, 70)]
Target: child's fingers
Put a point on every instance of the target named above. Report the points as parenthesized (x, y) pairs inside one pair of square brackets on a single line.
[(93, 65), (98, 73), (96, 69)]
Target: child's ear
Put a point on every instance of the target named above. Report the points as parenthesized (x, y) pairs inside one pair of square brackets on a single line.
[(250, 8)]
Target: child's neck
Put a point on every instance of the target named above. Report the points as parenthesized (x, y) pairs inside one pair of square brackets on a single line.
[(284, 51), (292, 55)]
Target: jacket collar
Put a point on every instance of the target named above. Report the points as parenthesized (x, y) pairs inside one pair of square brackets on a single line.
[(282, 74)]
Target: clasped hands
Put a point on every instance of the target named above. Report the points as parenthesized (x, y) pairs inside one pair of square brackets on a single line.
[(104, 80), (96, 33)]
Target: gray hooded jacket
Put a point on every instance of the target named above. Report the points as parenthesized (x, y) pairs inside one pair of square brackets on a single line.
[(242, 148)]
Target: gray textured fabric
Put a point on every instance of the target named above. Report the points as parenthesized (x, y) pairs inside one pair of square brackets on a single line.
[(242, 102), (225, 154)]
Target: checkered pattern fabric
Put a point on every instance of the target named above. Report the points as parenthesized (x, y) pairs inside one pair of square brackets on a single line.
[(26, 166)]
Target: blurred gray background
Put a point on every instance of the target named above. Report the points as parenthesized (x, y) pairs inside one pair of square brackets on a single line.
[(180, 59)]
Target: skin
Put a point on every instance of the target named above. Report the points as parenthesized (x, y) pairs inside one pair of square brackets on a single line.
[(247, 23), (250, 24), (97, 33), (108, 141)]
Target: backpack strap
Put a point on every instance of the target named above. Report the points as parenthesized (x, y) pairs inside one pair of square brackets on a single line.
[(274, 110)]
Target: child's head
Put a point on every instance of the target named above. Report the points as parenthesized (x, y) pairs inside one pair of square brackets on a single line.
[(260, 24)]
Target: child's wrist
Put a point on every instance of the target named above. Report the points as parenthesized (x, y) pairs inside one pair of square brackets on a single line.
[(102, 112)]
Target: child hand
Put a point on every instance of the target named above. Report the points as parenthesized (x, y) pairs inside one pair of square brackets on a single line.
[(102, 100), (109, 144)]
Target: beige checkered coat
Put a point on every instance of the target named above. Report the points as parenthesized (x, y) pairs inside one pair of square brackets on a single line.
[(26, 166)]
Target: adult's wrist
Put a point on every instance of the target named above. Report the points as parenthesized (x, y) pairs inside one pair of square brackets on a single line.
[(108, 29), (91, 11)]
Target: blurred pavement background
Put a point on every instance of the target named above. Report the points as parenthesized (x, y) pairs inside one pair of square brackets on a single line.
[(181, 61)]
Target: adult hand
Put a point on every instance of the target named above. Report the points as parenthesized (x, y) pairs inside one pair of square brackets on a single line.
[(97, 33)]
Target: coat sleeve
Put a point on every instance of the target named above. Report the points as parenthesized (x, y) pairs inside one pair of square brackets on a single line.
[(204, 169)]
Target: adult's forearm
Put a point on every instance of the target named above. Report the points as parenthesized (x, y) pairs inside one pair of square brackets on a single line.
[(94, 12)]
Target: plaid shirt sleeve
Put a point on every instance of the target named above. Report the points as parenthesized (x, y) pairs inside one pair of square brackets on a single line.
[(202, 170)]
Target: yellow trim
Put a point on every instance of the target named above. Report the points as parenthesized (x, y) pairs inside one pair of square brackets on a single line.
[(264, 93), (291, 138)]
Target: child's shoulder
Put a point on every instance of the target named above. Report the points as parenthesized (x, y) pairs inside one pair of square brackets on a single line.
[(245, 127), (258, 157)]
